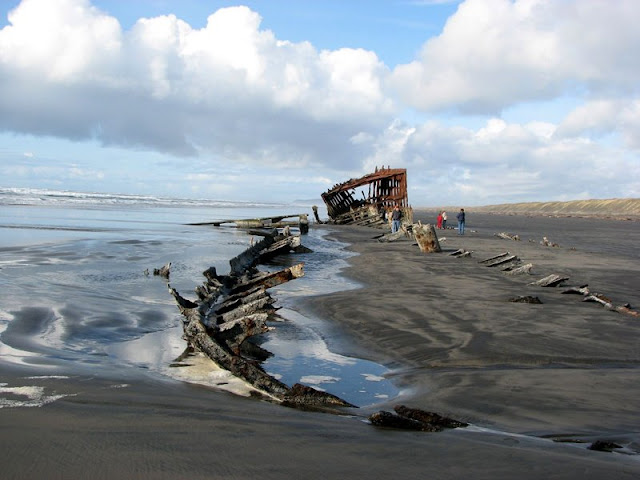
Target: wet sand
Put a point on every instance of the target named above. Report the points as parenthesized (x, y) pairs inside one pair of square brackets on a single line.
[(517, 372), (564, 367)]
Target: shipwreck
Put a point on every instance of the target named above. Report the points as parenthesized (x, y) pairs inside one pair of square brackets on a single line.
[(232, 309), (368, 199)]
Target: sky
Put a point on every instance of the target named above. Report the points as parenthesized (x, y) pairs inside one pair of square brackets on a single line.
[(482, 101)]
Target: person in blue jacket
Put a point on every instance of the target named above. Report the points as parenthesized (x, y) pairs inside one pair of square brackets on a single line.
[(461, 220)]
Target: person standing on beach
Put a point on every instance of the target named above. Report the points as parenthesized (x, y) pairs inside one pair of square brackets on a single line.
[(396, 215), (461, 220), (439, 220), (444, 220)]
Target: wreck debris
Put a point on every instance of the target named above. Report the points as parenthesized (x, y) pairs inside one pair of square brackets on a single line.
[(508, 236), (503, 260), (303, 396), (426, 237), (626, 308), (315, 214), (163, 271), (522, 270), (385, 188), (413, 419), (390, 420), (428, 417), (552, 280), (581, 290), (460, 253), (264, 222), (526, 299), (601, 299), (608, 304), (545, 241), (233, 308), (604, 446), (270, 246), (401, 234), (495, 257)]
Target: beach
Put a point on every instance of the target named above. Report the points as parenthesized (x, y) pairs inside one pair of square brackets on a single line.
[(537, 383), (562, 367)]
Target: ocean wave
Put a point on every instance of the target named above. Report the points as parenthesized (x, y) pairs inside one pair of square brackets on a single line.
[(44, 197)]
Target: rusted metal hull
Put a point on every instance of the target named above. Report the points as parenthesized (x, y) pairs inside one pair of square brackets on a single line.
[(380, 191)]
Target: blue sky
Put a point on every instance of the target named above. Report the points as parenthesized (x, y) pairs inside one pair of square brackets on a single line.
[(483, 101)]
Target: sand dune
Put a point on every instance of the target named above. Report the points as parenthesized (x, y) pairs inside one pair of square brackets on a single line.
[(626, 208)]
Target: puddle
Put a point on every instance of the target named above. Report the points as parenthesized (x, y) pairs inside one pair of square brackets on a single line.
[(300, 355)]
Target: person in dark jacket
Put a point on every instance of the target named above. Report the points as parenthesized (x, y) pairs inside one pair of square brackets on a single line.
[(396, 216), (461, 220)]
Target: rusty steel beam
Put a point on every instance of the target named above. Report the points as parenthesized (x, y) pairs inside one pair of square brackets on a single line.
[(387, 188)]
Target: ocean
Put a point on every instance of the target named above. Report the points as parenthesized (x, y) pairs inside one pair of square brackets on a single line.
[(76, 299)]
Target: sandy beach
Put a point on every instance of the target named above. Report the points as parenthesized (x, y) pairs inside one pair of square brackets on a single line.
[(523, 375), (562, 367)]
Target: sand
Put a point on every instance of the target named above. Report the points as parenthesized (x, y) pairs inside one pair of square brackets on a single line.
[(521, 374)]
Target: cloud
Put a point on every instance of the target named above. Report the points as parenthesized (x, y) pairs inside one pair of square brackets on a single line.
[(493, 54), (605, 117), (501, 163), (229, 90), (231, 109)]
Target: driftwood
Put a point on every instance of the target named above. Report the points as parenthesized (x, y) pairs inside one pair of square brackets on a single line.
[(413, 419), (460, 253), (426, 237), (545, 241), (233, 308), (508, 236), (552, 280)]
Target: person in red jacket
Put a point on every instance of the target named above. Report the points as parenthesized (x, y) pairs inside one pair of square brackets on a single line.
[(439, 223)]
